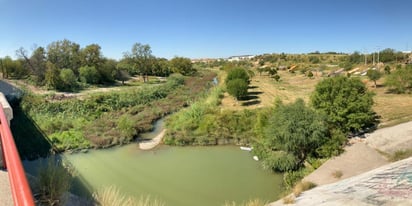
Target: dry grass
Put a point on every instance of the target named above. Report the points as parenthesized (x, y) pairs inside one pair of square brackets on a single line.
[(392, 108), (255, 202), (303, 186), (400, 155), (111, 196), (290, 199), (337, 174), (264, 90)]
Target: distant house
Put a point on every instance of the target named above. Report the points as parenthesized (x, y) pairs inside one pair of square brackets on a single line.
[(241, 57)]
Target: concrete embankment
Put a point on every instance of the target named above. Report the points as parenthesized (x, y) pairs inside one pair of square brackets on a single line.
[(152, 143)]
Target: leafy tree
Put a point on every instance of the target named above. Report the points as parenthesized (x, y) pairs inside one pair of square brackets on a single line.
[(13, 68), (6, 66), (107, 71), (38, 60), (161, 67), (64, 54), (387, 55), (400, 80), (68, 80), (29, 63), (345, 101), (141, 59), (52, 76), (89, 74), (237, 73), (237, 88), (374, 75), (182, 65), (122, 75), (91, 56), (295, 129)]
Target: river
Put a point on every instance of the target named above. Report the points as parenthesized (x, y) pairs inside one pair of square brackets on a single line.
[(179, 176)]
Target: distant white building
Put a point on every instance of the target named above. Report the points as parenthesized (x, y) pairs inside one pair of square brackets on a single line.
[(241, 57)]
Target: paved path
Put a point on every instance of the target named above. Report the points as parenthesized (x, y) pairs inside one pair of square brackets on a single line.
[(357, 158), (5, 192), (388, 185)]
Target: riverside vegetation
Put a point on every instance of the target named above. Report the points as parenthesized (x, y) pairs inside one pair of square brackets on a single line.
[(284, 139), (111, 118)]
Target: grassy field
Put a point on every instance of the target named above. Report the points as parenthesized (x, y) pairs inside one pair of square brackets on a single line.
[(392, 108)]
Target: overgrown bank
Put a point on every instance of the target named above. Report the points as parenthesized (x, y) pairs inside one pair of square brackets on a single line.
[(107, 119)]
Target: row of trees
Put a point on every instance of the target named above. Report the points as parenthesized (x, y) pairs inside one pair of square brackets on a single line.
[(63, 64)]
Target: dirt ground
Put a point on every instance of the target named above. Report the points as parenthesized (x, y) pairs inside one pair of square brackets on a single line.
[(264, 90)]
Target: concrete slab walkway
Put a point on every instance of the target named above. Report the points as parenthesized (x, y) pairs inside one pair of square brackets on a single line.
[(5, 191)]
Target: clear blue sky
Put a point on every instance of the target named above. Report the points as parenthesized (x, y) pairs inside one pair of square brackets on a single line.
[(208, 28)]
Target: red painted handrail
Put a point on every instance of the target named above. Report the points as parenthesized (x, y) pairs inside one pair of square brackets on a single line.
[(22, 195)]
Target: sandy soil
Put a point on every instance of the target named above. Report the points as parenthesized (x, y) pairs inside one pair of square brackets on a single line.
[(357, 158), (391, 139), (152, 143)]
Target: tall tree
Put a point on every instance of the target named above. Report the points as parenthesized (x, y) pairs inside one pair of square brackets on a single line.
[(52, 76), (374, 75), (141, 58), (38, 60), (297, 130), (64, 54), (346, 102), (182, 65), (91, 56)]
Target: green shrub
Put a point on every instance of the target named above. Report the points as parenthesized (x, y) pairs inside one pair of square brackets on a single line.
[(334, 146), (89, 75), (237, 73), (237, 88), (280, 161), (290, 178)]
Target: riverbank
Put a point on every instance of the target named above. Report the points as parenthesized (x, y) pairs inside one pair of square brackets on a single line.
[(102, 120), (362, 155)]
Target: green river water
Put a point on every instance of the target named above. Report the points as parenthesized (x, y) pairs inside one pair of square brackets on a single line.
[(179, 176)]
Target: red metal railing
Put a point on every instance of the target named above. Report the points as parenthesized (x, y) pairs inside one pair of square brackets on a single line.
[(22, 195)]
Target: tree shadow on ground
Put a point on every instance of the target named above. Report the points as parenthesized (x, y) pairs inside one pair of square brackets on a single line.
[(254, 93), (249, 97), (250, 103), (253, 87)]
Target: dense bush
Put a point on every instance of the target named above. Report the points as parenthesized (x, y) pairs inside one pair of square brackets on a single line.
[(237, 73), (89, 75), (296, 129), (237, 88), (400, 80), (345, 102)]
